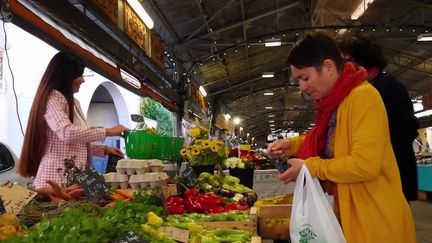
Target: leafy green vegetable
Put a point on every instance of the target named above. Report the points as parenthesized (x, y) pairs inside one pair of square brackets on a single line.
[(80, 225)]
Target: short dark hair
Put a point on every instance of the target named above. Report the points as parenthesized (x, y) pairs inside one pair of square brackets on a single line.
[(364, 50), (313, 49)]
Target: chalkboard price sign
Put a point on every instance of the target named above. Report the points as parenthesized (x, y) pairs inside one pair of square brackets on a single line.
[(189, 177), (93, 184), (129, 237), (2, 207)]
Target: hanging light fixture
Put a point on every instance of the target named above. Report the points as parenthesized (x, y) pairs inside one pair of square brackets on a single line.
[(273, 42), (424, 37), (128, 78), (267, 74), (202, 90)]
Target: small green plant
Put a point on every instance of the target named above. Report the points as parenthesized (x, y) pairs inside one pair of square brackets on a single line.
[(154, 110)]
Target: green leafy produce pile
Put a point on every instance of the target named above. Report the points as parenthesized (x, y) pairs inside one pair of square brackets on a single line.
[(201, 234), (196, 217), (95, 224)]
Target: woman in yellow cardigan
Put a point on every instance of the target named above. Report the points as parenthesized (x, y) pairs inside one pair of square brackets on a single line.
[(349, 148)]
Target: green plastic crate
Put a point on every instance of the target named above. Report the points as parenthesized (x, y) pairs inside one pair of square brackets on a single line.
[(143, 145)]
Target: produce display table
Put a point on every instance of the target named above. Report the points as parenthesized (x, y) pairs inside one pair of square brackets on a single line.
[(266, 183)]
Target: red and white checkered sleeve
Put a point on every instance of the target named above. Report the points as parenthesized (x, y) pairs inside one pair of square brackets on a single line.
[(97, 150), (57, 118)]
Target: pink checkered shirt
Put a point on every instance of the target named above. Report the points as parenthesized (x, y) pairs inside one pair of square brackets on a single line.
[(66, 140)]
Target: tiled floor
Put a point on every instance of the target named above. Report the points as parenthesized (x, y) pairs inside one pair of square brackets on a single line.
[(422, 211)]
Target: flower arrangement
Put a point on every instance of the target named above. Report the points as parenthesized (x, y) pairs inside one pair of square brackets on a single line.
[(203, 150)]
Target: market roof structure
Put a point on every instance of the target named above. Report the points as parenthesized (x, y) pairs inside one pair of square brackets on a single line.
[(221, 45)]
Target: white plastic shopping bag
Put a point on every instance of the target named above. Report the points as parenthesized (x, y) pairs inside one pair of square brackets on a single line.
[(312, 217)]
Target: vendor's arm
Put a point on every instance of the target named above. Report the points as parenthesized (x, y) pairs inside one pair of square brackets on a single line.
[(102, 150), (57, 118), (367, 140)]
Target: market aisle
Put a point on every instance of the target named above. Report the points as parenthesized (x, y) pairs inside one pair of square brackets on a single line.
[(422, 211)]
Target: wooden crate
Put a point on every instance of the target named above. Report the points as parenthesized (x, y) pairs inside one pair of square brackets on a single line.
[(273, 221), (256, 239), (250, 225)]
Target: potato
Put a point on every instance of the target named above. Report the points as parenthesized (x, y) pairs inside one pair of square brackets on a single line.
[(9, 219), (6, 231)]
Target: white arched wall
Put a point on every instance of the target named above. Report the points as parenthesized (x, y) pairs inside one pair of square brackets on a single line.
[(126, 102)]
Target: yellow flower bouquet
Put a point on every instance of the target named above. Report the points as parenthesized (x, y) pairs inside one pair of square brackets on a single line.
[(202, 150)]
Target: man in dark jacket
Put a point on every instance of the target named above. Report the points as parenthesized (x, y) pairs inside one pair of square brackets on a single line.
[(403, 125)]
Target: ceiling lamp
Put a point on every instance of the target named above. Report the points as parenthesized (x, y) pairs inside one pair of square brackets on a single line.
[(268, 93), (128, 78), (424, 37), (271, 115), (268, 107), (202, 90), (267, 74), (273, 42), (236, 120), (361, 9), (139, 9), (227, 116)]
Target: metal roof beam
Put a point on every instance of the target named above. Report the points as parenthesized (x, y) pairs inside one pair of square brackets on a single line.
[(243, 22), (209, 20)]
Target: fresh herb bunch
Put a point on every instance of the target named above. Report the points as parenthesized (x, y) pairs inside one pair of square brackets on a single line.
[(92, 224), (69, 171)]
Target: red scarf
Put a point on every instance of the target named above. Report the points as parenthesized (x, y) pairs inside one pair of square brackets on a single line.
[(314, 143)]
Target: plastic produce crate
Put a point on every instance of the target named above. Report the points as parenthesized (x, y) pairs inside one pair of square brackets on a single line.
[(143, 145)]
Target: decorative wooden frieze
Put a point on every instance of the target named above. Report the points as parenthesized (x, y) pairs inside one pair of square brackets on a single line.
[(135, 28), (109, 8), (157, 51)]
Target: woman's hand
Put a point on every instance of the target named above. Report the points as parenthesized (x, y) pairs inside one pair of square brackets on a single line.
[(292, 173), (116, 131), (279, 148), (112, 150)]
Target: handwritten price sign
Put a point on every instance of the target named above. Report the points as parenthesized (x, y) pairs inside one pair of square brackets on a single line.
[(15, 197), (129, 237), (93, 184)]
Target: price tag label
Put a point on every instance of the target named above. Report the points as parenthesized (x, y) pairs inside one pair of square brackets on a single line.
[(177, 234), (15, 197), (189, 177), (93, 184), (129, 237)]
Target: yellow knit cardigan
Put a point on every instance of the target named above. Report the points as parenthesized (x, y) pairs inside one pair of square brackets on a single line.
[(372, 206)]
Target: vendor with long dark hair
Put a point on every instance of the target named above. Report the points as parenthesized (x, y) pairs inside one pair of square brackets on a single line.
[(56, 128)]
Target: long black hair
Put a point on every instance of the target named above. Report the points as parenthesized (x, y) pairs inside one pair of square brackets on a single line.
[(63, 68)]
